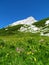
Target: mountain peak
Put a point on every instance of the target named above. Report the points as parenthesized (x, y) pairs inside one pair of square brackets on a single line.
[(27, 21), (31, 18)]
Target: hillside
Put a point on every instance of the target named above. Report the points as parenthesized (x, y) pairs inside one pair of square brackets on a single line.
[(27, 25), (19, 47), (41, 23), (24, 49), (10, 30)]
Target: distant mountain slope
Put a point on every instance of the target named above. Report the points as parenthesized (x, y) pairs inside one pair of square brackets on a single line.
[(16, 26), (10, 30), (41, 23), (27, 25)]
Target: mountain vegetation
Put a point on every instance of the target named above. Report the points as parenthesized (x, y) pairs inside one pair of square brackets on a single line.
[(41, 23), (10, 30)]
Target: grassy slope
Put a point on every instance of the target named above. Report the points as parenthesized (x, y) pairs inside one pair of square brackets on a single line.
[(10, 30), (24, 49), (19, 48)]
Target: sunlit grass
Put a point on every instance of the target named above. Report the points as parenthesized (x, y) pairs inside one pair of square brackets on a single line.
[(24, 49)]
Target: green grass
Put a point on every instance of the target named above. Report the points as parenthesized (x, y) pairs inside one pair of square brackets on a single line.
[(24, 49), (10, 30)]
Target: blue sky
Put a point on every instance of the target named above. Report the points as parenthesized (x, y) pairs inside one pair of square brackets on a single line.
[(13, 10)]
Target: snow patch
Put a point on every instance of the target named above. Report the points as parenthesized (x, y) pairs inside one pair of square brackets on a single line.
[(31, 28), (47, 22), (6, 29), (27, 21)]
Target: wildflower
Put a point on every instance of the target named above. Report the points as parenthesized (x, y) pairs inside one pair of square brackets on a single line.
[(1, 46), (28, 53), (7, 54), (34, 59), (42, 40), (19, 50), (32, 53)]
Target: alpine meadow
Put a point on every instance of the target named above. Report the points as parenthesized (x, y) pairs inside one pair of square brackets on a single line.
[(25, 42)]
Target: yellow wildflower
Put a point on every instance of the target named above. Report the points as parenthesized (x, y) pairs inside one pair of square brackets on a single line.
[(34, 59), (1, 46), (32, 53), (7, 54), (28, 53)]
